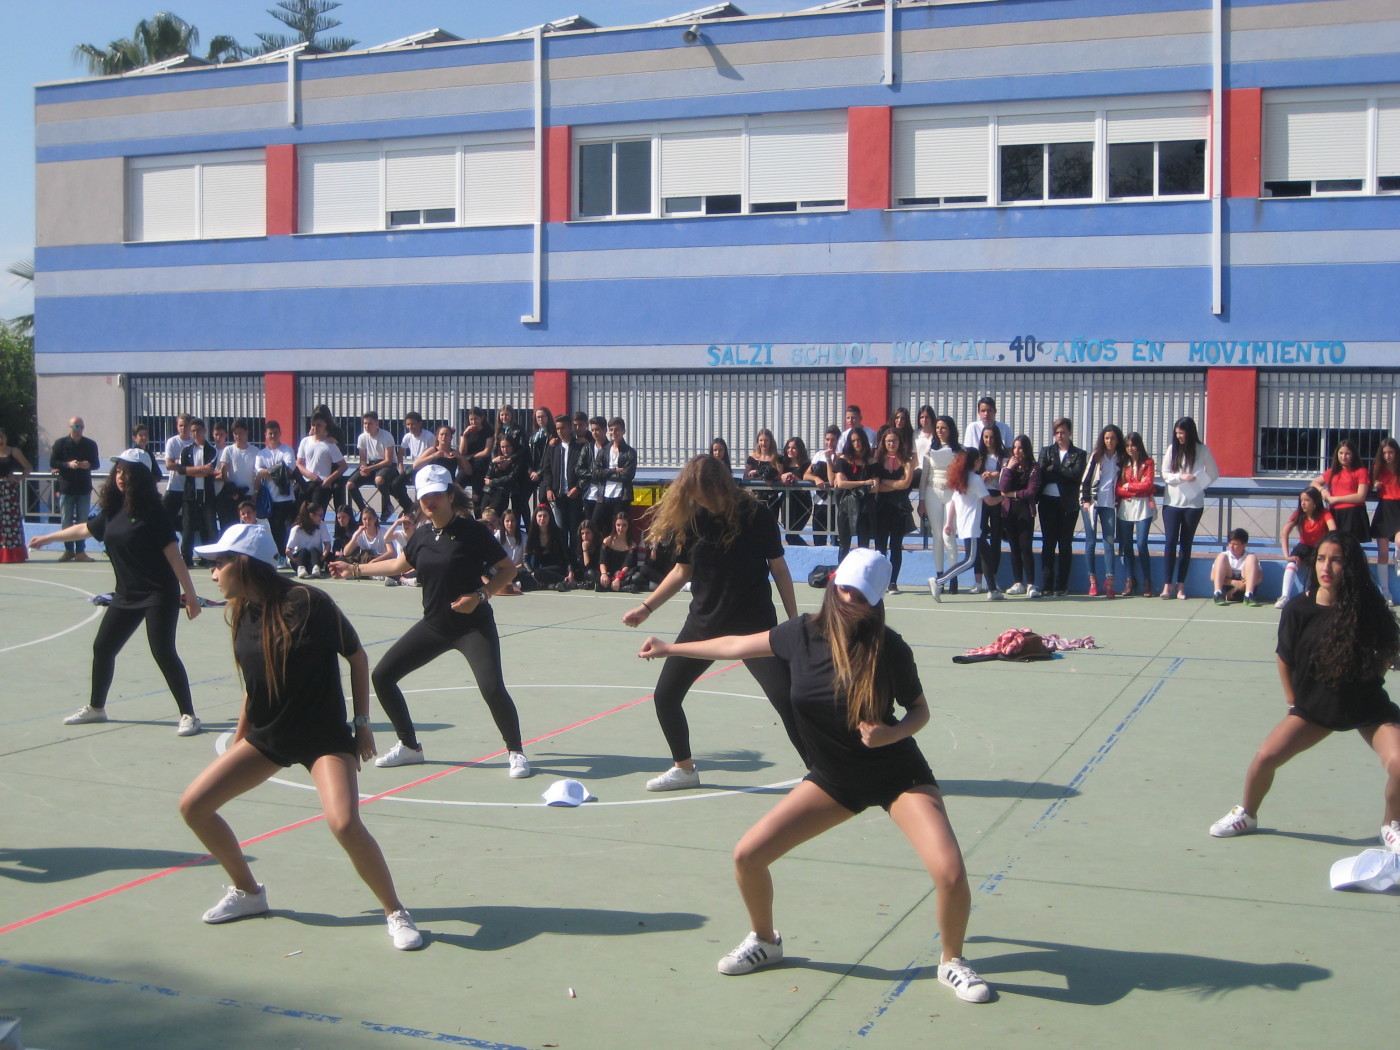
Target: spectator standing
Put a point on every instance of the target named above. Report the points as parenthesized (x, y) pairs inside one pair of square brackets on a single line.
[(199, 463), (414, 443), (238, 469), (1020, 485), (175, 487), (853, 421), (71, 460), (614, 468), (1137, 507), (12, 462), (1190, 470), (1062, 465), (379, 458), (797, 503), (821, 474), (320, 462), (559, 480), (277, 469), (986, 417)]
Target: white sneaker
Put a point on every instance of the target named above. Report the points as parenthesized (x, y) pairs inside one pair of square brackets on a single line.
[(390, 581), (1390, 836), (1280, 603), (189, 726), (1236, 822), (1033, 592), (519, 765), (1016, 588), (958, 975), (402, 932), (238, 905), (302, 574), (84, 715), (935, 589), (752, 953), (323, 573), (400, 755), (977, 588), (994, 596), (675, 779)]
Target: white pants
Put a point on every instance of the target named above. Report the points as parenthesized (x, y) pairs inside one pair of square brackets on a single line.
[(937, 507)]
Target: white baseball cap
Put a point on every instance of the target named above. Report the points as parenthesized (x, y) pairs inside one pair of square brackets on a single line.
[(1376, 870), (252, 540), (566, 793), (867, 571), (432, 479)]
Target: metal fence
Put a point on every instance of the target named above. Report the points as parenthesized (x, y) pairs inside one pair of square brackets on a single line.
[(673, 416), (1303, 416), (157, 400)]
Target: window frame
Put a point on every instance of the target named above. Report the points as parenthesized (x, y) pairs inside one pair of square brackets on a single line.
[(1373, 99), (197, 164)]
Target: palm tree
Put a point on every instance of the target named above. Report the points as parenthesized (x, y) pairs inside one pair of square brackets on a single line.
[(308, 19), (155, 39), (24, 270)]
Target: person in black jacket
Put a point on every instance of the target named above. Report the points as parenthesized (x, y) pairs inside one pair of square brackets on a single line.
[(1061, 471), (199, 462), (503, 474), (71, 461), (559, 483), (613, 467)]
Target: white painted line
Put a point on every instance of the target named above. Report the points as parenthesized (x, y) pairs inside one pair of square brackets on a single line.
[(68, 630)]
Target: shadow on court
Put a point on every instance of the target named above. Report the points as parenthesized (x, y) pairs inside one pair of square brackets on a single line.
[(499, 927), (1101, 976), (61, 863), (612, 767), (1005, 789)]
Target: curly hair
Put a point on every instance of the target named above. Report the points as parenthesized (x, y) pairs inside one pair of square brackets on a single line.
[(1361, 638), (140, 498), (702, 484)]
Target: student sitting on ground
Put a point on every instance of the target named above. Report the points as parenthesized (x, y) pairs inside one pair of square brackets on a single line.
[(1236, 572)]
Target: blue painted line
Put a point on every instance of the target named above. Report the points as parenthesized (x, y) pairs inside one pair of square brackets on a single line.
[(266, 1008), (993, 881)]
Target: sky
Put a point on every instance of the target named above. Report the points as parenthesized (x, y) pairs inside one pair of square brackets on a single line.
[(37, 48)]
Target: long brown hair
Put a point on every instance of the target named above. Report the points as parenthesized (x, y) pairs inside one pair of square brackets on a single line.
[(856, 633), (702, 476), (257, 583)]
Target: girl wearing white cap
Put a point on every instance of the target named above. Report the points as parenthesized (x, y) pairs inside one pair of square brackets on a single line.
[(848, 671), (454, 555), (153, 583), (287, 639)]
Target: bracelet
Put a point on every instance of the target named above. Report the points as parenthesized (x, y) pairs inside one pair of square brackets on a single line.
[(647, 607)]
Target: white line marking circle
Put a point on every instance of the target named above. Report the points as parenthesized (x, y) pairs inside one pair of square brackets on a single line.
[(67, 630)]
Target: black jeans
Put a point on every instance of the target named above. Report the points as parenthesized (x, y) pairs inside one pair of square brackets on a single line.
[(424, 643), (198, 521), (116, 629), (1056, 543)]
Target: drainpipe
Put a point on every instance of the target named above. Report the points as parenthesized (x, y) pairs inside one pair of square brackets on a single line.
[(889, 41), (538, 262), (1217, 158), (292, 89)]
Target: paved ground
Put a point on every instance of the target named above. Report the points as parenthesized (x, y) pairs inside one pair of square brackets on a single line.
[(1081, 790)]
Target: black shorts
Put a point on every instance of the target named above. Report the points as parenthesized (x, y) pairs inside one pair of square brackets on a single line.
[(305, 753), (880, 790)]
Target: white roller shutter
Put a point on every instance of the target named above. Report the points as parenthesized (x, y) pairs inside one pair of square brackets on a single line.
[(1053, 127), (1388, 137), (797, 162), (941, 158), (420, 178), (500, 183), (1314, 140), (235, 199), (1175, 124), (701, 163), (341, 192), (164, 203)]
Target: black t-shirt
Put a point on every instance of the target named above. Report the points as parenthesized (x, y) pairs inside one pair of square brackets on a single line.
[(1360, 701), (450, 563), (309, 709), (835, 750), (74, 481), (729, 585), (136, 547)]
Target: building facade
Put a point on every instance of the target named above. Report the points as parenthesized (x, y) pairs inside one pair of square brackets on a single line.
[(1116, 210)]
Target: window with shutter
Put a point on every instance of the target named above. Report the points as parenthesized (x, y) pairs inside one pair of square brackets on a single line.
[(796, 166)]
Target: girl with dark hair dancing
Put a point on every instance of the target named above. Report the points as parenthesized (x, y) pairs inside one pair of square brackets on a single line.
[(1335, 643)]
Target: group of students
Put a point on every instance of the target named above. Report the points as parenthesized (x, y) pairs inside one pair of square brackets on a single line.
[(834, 679)]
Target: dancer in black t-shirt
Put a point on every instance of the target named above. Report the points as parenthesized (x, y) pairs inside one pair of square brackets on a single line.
[(727, 545), (453, 556), (848, 671), (286, 640), (1335, 643), (153, 583)]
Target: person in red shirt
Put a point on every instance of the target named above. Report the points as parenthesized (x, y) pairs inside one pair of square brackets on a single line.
[(1344, 488), (1385, 522), (1313, 521)]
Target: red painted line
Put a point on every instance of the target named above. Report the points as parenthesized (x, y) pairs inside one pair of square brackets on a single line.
[(71, 905)]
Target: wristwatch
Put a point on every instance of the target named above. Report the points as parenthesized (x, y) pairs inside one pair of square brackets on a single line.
[(482, 597), (359, 721)]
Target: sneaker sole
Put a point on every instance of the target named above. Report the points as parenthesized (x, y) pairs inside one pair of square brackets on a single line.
[(982, 994), (235, 918)]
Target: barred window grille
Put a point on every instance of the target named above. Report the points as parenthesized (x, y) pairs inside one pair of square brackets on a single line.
[(1304, 415), (157, 400), (439, 398), (674, 416), (1029, 402)]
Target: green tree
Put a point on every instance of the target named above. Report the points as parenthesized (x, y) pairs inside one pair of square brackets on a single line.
[(155, 39), (24, 270), (308, 19), (18, 411)]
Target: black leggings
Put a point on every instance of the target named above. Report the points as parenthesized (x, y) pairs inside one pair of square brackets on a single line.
[(424, 643), (679, 673), (116, 629), (889, 531)]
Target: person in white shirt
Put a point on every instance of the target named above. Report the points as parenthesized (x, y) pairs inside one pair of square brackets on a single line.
[(935, 497), (175, 486), (379, 458), (275, 454), (414, 443), (238, 470), (853, 420), (320, 463), (986, 417), (1098, 497), (1236, 571), (970, 495), (1189, 469), (820, 473)]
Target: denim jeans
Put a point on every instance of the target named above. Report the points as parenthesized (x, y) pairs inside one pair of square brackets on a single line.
[(1132, 545), (1106, 520), (74, 507)]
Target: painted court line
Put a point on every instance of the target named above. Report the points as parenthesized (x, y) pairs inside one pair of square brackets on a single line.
[(364, 800), (67, 630), (989, 885), (264, 1008)]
